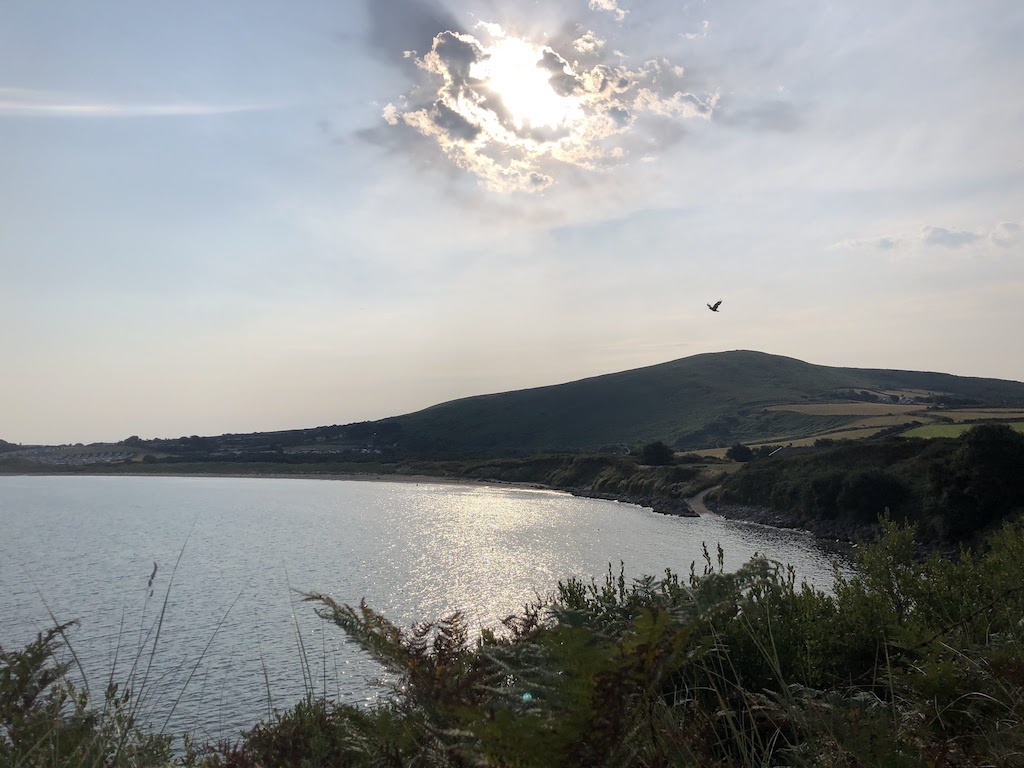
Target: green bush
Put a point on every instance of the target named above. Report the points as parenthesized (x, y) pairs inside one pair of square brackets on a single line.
[(957, 489), (657, 454), (45, 720), (740, 452)]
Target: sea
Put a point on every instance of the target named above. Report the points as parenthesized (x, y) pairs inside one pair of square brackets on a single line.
[(195, 588)]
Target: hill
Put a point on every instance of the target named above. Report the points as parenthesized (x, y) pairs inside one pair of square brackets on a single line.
[(696, 402), (701, 402)]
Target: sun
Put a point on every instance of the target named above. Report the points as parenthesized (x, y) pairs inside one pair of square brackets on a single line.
[(511, 68)]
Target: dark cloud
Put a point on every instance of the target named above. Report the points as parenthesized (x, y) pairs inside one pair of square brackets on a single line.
[(543, 133), (458, 55), (452, 123), (772, 116), (552, 61), (562, 82), (620, 115), (699, 106), (492, 102), (949, 238), (397, 26)]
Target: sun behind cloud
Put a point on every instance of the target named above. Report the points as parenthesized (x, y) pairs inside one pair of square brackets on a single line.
[(514, 111), (513, 69)]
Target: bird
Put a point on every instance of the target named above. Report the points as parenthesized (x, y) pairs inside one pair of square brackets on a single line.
[(714, 307)]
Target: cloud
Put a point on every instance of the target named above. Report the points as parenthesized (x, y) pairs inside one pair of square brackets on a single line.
[(886, 243), (775, 116), (949, 238), (513, 113), (610, 6), (588, 43), (1004, 235), (698, 35), (19, 102), (1007, 235), (562, 80), (400, 26)]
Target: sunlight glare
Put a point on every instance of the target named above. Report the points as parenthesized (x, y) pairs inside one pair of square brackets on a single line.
[(512, 70)]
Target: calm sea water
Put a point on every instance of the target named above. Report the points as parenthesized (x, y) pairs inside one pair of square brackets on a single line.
[(231, 554)]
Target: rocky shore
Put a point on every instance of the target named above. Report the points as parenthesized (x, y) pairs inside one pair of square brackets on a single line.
[(840, 530), (663, 505)]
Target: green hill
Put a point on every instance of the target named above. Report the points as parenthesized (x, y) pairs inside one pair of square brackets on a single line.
[(696, 402), (701, 402)]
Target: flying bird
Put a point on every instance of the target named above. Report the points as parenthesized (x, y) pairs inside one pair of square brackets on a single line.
[(714, 307)]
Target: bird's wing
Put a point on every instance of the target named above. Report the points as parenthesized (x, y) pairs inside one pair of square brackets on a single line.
[(717, 304)]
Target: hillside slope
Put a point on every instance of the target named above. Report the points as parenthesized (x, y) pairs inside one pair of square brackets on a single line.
[(699, 401)]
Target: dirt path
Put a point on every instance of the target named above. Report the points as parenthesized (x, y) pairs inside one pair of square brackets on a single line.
[(697, 502)]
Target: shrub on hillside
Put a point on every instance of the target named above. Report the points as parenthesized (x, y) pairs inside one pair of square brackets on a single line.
[(657, 454), (956, 488), (740, 452), (984, 478)]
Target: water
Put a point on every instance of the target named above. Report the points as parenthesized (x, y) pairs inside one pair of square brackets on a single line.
[(236, 639)]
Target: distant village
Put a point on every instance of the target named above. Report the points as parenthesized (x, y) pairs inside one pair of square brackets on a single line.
[(61, 456)]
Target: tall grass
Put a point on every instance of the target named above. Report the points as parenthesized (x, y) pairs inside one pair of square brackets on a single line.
[(49, 715)]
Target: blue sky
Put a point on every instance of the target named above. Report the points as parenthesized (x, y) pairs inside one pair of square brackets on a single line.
[(239, 216)]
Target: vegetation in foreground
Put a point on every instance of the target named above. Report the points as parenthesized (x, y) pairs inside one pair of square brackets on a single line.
[(907, 663)]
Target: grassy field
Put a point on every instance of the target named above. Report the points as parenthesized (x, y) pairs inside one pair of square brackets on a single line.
[(976, 414), (884, 421), (847, 409), (846, 434), (949, 430), (878, 416)]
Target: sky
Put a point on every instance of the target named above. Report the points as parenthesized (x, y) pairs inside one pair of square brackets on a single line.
[(248, 216)]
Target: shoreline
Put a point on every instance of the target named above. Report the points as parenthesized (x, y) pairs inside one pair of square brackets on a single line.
[(662, 505), (826, 530), (357, 476)]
